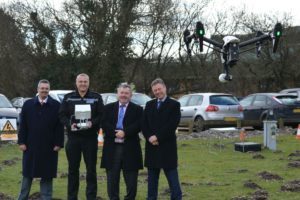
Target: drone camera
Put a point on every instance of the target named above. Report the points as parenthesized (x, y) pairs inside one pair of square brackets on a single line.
[(223, 78)]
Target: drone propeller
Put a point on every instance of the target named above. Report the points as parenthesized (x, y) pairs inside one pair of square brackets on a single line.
[(258, 43), (200, 34), (277, 33), (187, 40)]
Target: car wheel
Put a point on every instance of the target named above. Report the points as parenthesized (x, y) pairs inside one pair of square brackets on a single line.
[(199, 124)]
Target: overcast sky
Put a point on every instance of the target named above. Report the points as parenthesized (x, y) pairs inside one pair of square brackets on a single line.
[(256, 6), (265, 6)]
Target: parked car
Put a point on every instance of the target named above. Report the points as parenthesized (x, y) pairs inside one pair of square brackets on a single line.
[(284, 106), (295, 91), (137, 98), (7, 111), (18, 102), (109, 98), (58, 95), (204, 110)]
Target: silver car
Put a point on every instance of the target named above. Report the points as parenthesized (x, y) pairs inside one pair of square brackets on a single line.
[(203, 110), (7, 111), (18, 102), (58, 95)]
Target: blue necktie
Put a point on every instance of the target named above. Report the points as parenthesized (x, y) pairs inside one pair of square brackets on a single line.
[(158, 104), (121, 117)]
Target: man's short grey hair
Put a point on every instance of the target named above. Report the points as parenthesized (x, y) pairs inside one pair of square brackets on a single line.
[(124, 85), (82, 74), (43, 81), (157, 81)]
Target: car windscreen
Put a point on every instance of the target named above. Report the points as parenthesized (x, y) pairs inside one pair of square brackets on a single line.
[(140, 99), (4, 102), (223, 100), (61, 96), (111, 98), (288, 100)]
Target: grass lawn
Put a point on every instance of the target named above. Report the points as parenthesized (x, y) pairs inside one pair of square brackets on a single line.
[(209, 169)]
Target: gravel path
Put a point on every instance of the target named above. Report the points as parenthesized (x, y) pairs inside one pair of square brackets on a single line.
[(222, 134)]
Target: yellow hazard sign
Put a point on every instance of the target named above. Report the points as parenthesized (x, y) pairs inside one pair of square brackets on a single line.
[(8, 126), (8, 129)]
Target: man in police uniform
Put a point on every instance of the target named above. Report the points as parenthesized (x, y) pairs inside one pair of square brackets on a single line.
[(82, 140)]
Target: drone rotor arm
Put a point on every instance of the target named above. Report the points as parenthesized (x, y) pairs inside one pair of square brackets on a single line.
[(215, 49), (213, 42), (254, 40), (187, 38)]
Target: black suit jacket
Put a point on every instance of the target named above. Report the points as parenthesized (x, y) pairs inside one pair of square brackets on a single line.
[(162, 123), (131, 126)]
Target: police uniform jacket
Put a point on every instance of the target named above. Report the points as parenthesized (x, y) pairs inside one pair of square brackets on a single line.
[(67, 111)]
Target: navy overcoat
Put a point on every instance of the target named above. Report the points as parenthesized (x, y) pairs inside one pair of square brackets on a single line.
[(162, 123), (40, 130)]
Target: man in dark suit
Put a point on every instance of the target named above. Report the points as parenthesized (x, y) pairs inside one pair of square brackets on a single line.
[(160, 120), (122, 151)]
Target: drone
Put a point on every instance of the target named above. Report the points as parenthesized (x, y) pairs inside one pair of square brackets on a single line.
[(230, 48)]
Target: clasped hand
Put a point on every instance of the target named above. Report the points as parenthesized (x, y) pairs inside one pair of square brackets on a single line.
[(153, 140)]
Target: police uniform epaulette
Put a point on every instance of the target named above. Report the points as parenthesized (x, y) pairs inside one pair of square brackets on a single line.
[(69, 94), (95, 93)]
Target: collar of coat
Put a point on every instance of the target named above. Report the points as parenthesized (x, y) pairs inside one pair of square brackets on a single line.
[(116, 110), (117, 104), (49, 100), (86, 94), (153, 103)]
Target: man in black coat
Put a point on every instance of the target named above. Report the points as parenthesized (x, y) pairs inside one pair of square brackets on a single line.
[(40, 138), (122, 151), (160, 120), (82, 137)]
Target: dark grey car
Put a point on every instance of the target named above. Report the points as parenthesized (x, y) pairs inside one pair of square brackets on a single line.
[(295, 91), (284, 106)]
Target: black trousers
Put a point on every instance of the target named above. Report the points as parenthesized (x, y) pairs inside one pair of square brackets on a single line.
[(87, 146), (113, 177)]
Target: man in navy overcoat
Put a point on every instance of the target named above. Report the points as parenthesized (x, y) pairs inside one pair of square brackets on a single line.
[(160, 120), (41, 136)]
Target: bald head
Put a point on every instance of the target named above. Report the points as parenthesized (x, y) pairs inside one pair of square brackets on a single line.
[(82, 75)]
